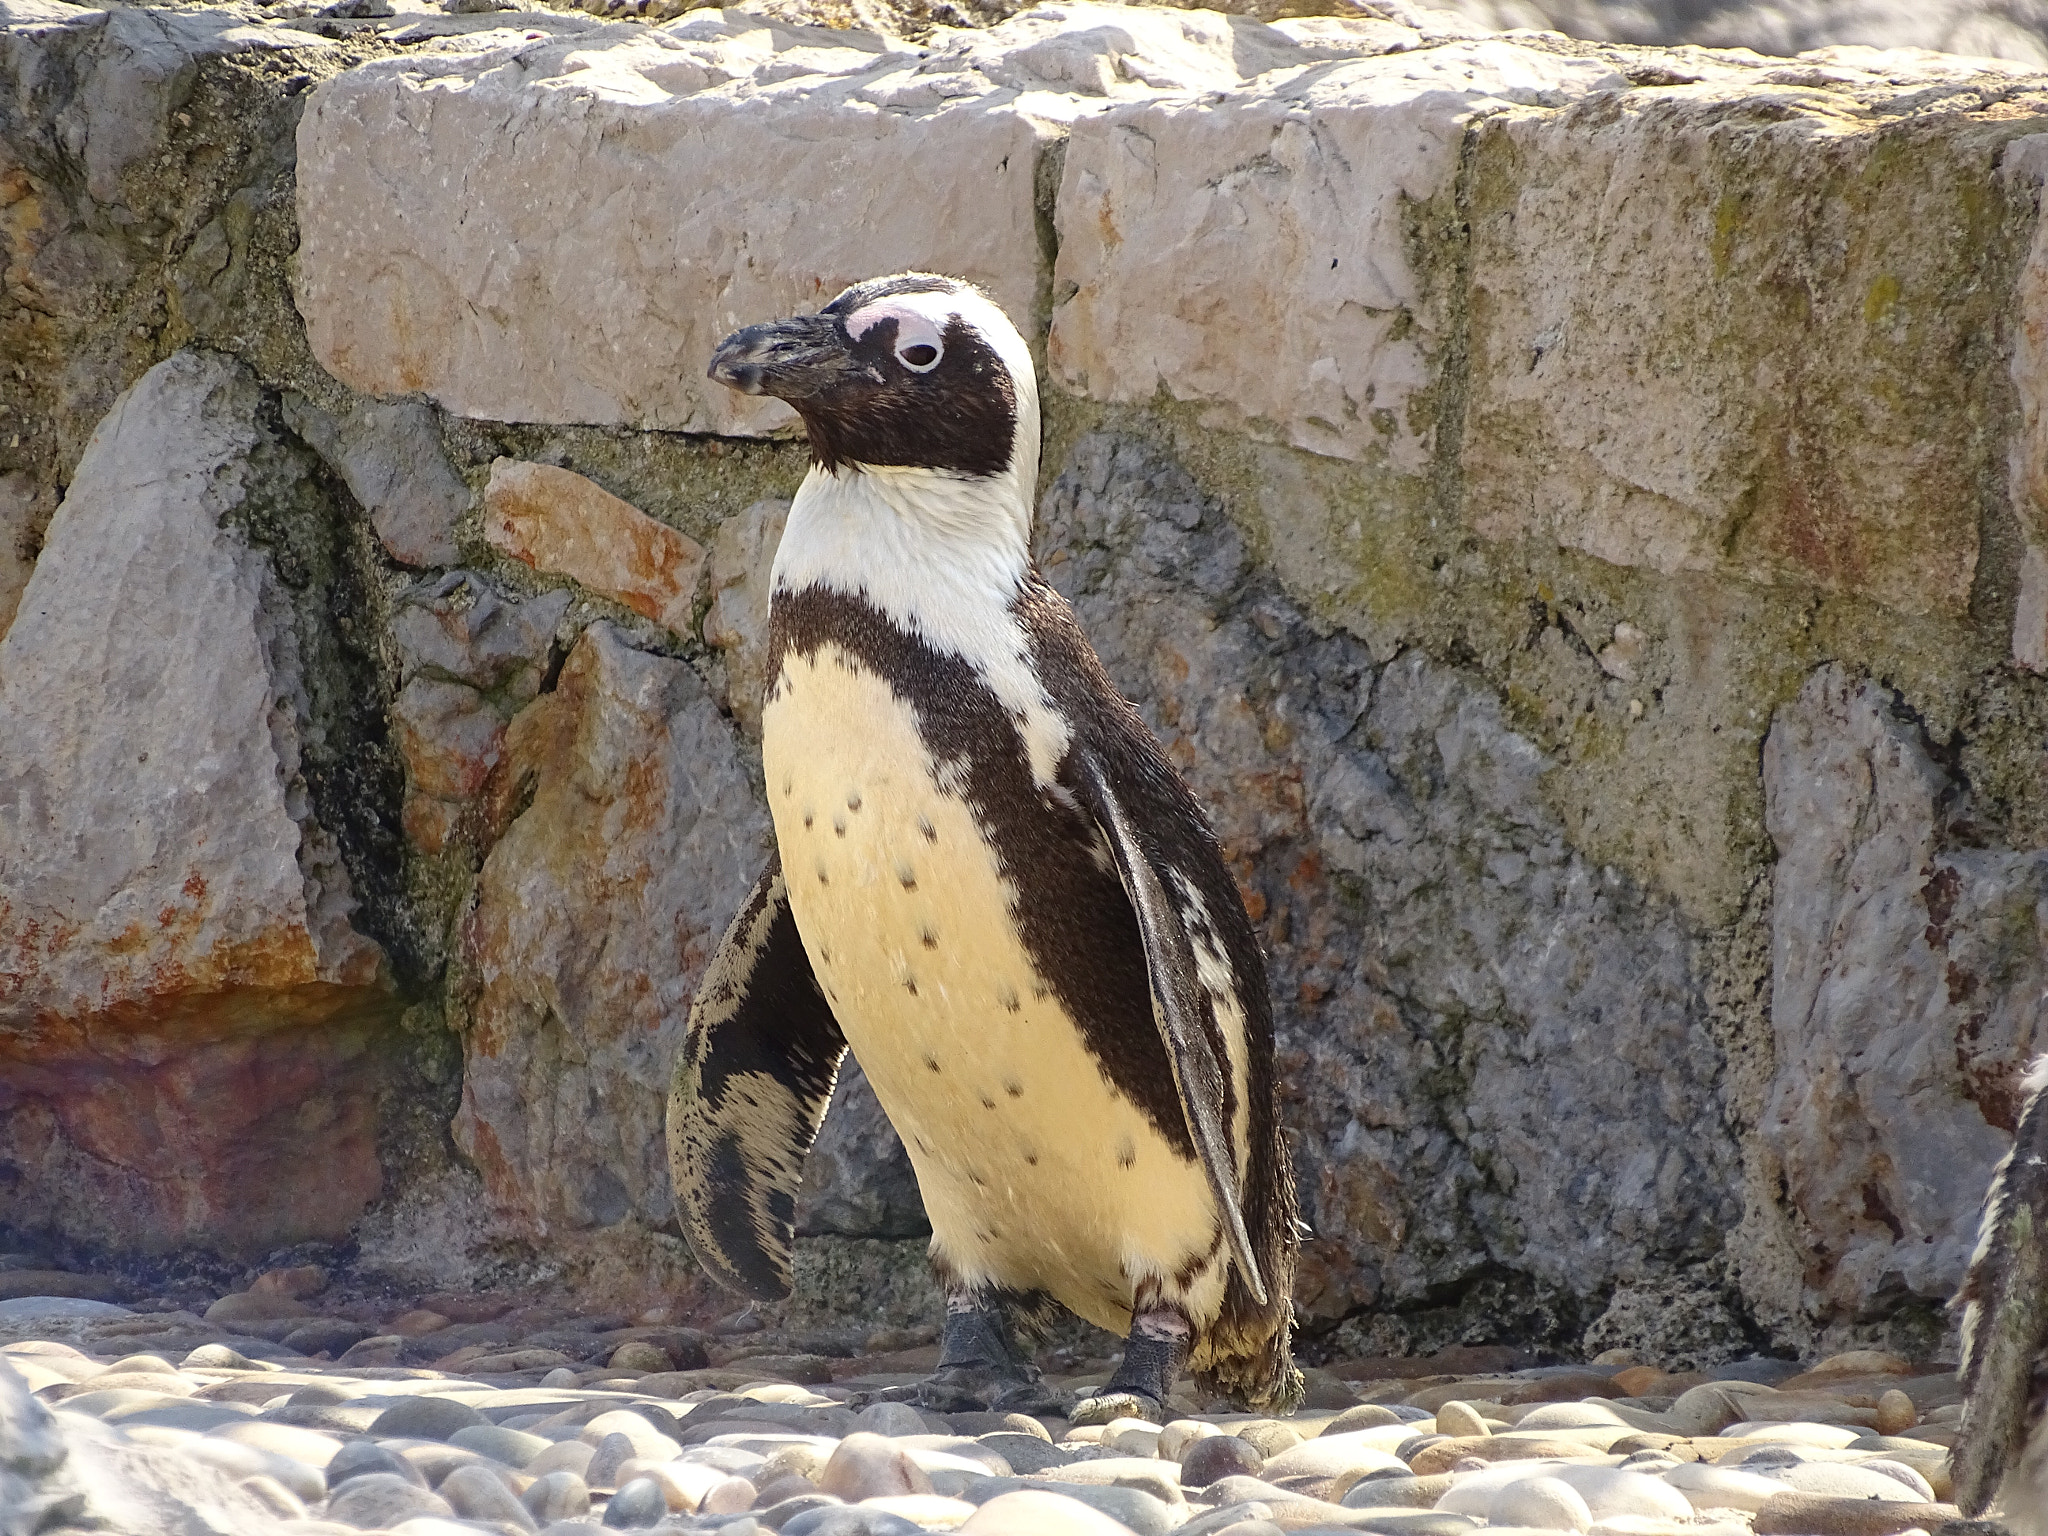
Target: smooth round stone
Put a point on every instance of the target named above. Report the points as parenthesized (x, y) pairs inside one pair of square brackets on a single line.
[(867, 1466), (1132, 1508), (274, 1496), (1831, 1436), (890, 1419), (641, 1356), (311, 1446), (930, 1511), (1896, 1413), (560, 1376), (1539, 1503), (1836, 1480), (728, 1496), (1456, 1418), (1031, 1512), (1027, 1454), (1132, 1437), (361, 1458), (434, 1525), (1610, 1493), (1251, 1528), (1158, 1478), (246, 1461), (475, 1493), (849, 1520), (181, 1413), (424, 1417), (1430, 1522), (1219, 1456), (1176, 1435), (1711, 1487), (785, 1486), (1906, 1473), (377, 1500), (1587, 1415), (645, 1439), (1398, 1492), (217, 1357), (1364, 1416), (146, 1364), (562, 1456), (636, 1506), (558, 1496), (1330, 1456), (612, 1453), (1811, 1514), (1269, 1437), (508, 1447)]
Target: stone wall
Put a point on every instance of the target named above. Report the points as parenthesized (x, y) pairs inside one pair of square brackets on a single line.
[(1576, 513)]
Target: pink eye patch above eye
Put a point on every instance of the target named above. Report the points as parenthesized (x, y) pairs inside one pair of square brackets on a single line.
[(920, 339)]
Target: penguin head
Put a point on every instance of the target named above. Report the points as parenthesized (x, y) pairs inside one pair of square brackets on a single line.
[(908, 372)]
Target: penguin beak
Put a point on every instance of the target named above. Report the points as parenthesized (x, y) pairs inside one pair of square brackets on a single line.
[(793, 359)]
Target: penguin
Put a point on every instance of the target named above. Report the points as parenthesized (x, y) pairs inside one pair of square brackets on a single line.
[(2001, 1449), (993, 888)]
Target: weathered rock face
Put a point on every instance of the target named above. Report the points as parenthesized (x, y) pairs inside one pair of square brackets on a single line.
[(595, 914), (1725, 432), (558, 521), (169, 900), (1906, 979)]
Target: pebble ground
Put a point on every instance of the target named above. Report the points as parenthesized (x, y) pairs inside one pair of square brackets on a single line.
[(532, 1420)]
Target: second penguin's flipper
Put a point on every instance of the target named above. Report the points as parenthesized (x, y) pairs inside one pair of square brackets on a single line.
[(1187, 988), (758, 1063), (2005, 1311)]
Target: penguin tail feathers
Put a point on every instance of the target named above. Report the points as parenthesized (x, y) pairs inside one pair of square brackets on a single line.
[(1247, 1354)]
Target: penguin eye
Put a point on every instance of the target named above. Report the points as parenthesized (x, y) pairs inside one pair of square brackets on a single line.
[(918, 357)]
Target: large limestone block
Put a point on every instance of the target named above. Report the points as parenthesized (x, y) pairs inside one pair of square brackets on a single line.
[(595, 915), (1252, 252), (1713, 328), (605, 208), (1905, 985), (167, 898)]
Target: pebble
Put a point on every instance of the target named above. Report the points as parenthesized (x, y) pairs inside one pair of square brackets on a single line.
[(1456, 1418), (1217, 1456), (378, 1499), (476, 1494), (637, 1505), (556, 1431), (557, 1496), (1539, 1503)]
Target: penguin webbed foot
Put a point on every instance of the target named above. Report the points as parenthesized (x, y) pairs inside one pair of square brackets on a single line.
[(982, 1368), (1160, 1342)]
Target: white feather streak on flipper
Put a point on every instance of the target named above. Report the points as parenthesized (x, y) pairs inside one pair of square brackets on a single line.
[(1170, 958), (1213, 970), (2005, 1322)]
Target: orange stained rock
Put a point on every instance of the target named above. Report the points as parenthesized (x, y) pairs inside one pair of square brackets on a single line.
[(556, 520)]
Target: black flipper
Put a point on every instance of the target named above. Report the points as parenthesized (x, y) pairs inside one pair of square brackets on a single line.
[(2004, 1301), (750, 1089), (1184, 1002)]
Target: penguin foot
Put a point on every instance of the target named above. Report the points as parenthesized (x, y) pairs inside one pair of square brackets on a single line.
[(981, 1367), (1161, 1340)]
